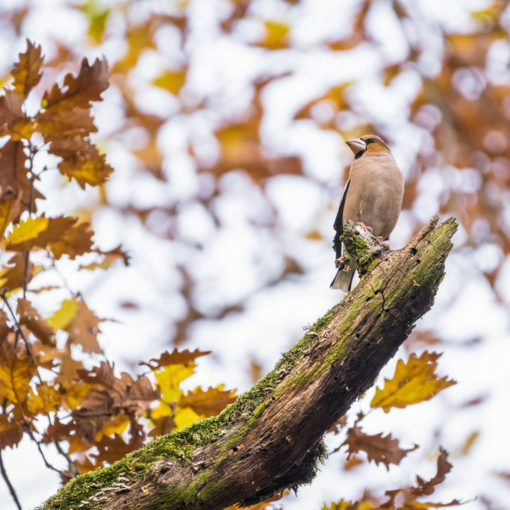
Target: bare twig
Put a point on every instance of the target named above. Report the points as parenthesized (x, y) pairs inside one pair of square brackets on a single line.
[(18, 329), (9, 484)]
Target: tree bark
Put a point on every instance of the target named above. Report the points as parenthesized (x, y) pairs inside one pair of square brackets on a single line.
[(271, 437)]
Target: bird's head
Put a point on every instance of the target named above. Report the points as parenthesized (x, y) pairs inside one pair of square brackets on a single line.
[(367, 144)]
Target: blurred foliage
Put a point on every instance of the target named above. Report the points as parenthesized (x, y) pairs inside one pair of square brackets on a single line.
[(442, 99)]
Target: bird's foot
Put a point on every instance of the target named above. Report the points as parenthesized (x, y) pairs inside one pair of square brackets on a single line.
[(383, 242), (340, 262), (366, 228)]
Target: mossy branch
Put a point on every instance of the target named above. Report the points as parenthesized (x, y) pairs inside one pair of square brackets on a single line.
[(271, 437)]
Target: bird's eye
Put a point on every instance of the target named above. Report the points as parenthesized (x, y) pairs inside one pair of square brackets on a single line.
[(370, 140)]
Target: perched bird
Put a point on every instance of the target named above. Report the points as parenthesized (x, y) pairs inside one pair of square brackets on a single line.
[(372, 197)]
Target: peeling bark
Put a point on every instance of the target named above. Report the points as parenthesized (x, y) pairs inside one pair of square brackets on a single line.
[(271, 438)]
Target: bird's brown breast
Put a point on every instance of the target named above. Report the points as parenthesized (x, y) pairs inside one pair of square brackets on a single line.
[(375, 193)]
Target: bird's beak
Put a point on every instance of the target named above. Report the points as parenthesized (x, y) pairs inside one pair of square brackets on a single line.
[(356, 145)]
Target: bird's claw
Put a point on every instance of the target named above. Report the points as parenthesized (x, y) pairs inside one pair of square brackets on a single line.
[(340, 262), (366, 228)]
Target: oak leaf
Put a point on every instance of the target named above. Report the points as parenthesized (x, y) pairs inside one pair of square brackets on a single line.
[(209, 402), (16, 372), (29, 317), (172, 81), (61, 235), (11, 431), (12, 275), (175, 357), (27, 71), (13, 121), (91, 82), (379, 448), (414, 381), (81, 160), (56, 123)]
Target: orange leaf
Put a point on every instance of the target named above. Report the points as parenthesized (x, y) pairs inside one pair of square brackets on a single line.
[(91, 81), (13, 121), (16, 371), (61, 235), (174, 358), (12, 276), (84, 328), (29, 317), (11, 431), (209, 402), (27, 71), (379, 448), (413, 382), (55, 123), (81, 160)]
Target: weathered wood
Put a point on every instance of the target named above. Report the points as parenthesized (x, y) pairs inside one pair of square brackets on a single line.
[(271, 437)]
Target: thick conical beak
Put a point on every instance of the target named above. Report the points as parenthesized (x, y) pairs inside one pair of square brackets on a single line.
[(356, 145)]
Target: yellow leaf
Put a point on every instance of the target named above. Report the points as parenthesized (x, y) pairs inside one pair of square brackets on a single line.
[(170, 378), (172, 81), (15, 375), (208, 403), (185, 416), (413, 382), (116, 425), (64, 315), (26, 230), (46, 400)]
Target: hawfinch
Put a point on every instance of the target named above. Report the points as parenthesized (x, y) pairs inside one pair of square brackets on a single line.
[(372, 197)]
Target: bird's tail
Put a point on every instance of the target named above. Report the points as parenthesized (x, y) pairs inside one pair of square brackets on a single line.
[(343, 279)]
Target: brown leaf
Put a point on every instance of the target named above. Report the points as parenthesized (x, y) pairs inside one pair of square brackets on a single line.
[(426, 488), (15, 185), (84, 328), (13, 121), (13, 273), (11, 431), (27, 71), (79, 90), (29, 317), (61, 235), (209, 402), (81, 160), (379, 448), (55, 123), (174, 358)]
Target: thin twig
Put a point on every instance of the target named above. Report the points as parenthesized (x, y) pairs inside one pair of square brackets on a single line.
[(72, 465), (9, 484), (18, 329), (38, 443)]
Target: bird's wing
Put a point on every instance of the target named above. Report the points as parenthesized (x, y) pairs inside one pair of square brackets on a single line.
[(339, 223)]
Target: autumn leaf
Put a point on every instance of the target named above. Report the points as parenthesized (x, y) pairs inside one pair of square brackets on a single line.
[(16, 372), (13, 121), (11, 431), (56, 123), (81, 160), (29, 317), (208, 403), (44, 400), (379, 448), (169, 379), (12, 275), (413, 382), (81, 90), (81, 323), (61, 235), (108, 258), (27, 71), (97, 15), (15, 184), (175, 357), (427, 487)]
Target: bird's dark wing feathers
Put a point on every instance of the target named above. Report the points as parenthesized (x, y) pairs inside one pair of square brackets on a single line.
[(339, 223)]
